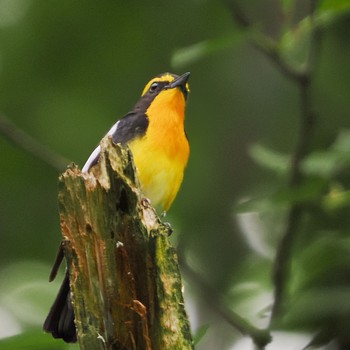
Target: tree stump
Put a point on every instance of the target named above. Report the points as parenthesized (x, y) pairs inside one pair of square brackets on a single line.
[(124, 275)]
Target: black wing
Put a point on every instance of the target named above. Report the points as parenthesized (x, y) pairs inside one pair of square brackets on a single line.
[(133, 125)]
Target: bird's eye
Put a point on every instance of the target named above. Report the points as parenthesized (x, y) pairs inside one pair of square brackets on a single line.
[(153, 87)]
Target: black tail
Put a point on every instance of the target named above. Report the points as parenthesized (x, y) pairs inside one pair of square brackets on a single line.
[(60, 320)]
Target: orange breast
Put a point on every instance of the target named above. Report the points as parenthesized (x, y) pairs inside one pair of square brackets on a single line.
[(162, 154)]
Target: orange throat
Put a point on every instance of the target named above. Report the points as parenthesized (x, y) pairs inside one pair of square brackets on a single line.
[(161, 155)]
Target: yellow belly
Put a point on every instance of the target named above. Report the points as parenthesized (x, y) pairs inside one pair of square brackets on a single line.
[(161, 155), (160, 173)]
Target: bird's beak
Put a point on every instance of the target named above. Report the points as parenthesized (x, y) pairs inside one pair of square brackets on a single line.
[(181, 81)]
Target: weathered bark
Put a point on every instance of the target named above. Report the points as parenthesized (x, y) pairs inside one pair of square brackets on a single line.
[(124, 274)]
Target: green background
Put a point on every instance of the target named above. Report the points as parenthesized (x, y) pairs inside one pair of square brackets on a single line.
[(69, 70)]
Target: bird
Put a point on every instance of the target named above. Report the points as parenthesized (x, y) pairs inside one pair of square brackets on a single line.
[(155, 133)]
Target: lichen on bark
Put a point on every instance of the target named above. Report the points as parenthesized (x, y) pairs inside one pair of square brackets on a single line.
[(124, 275)]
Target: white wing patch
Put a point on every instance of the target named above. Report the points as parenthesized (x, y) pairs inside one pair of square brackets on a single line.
[(113, 129), (96, 153), (92, 159)]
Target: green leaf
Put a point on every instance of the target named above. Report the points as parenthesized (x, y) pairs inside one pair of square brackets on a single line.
[(330, 11), (310, 190), (337, 198), (330, 162), (325, 164), (257, 204), (319, 288), (334, 5), (294, 44), (34, 340), (316, 265), (27, 294), (342, 143), (200, 333), (269, 159), (318, 306), (319, 163), (190, 54), (287, 5)]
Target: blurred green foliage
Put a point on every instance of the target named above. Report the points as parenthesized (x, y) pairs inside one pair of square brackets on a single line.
[(69, 70)]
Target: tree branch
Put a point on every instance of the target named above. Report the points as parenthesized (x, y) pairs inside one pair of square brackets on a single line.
[(260, 337), (264, 44), (21, 139), (302, 78), (306, 126)]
